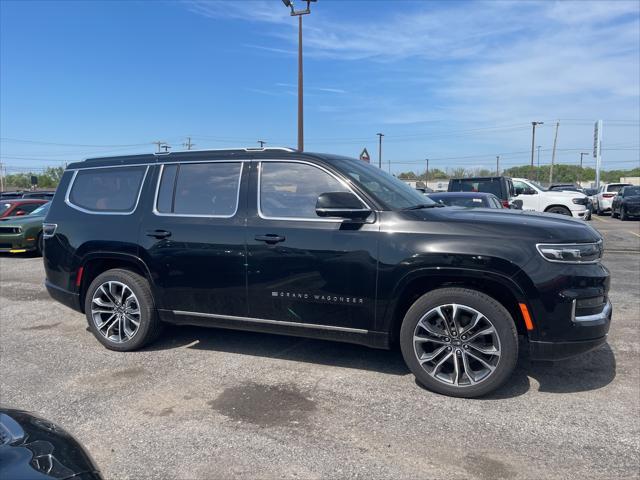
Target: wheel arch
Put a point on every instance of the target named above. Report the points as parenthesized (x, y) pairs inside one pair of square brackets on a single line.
[(557, 205), (501, 288), (96, 263)]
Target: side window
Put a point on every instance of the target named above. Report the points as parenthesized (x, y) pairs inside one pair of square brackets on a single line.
[(112, 190), (290, 190), (517, 184), (208, 189), (29, 207)]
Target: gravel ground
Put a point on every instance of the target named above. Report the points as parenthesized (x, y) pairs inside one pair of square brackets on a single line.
[(208, 403)]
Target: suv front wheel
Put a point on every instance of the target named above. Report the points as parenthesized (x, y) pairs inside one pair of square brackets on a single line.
[(120, 310), (459, 342)]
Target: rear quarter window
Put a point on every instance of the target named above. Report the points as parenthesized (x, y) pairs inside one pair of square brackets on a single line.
[(107, 190)]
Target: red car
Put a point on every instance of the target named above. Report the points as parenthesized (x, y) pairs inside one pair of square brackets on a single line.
[(16, 208)]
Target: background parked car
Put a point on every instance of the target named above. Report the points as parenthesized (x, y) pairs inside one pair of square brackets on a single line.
[(501, 187), (626, 203), (605, 196), (24, 233), (537, 198), (17, 208), (34, 448), (41, 194), (467, 199), (591, 196)]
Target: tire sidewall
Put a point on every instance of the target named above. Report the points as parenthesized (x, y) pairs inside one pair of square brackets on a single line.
[(147, 309), (489, 307)]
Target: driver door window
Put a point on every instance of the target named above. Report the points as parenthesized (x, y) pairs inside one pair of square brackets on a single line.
[(290, 190)]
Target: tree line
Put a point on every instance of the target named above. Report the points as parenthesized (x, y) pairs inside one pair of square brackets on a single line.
[(49, 178), (561, 173)]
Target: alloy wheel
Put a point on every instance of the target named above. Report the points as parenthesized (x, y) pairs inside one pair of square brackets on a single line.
[(115, 311), (457, 345)]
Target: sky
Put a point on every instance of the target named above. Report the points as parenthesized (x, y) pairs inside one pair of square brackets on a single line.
[(456, 82)]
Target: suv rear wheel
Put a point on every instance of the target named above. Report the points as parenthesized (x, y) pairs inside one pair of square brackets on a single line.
[(120, 310), (459, 342)]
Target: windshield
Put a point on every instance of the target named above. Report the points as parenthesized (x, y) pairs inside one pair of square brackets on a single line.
[(616, 188), (631, 191), (41, 210), (4, 207), (384, 187)]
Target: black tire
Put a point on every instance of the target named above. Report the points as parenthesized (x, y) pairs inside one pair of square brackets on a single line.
[(559, 210), (498, 316), (40, 244), (150, 325), (613, 213), (623, 214)]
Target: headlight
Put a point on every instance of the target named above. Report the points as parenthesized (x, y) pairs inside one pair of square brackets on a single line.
[(580, 201), (571, 252)]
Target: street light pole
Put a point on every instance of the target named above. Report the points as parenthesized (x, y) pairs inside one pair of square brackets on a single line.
[(582, 154), (538, 172), (426, 174), (380, 135), (533, 142), (299, 14)]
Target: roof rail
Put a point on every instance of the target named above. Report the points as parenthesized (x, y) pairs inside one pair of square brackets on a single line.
[(165, 154)]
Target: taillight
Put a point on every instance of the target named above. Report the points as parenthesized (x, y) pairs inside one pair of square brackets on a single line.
[(608, 195), (49, 230), (505, 203)]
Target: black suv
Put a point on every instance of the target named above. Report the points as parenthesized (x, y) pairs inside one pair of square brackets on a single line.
[(315, 245), (501, 187)]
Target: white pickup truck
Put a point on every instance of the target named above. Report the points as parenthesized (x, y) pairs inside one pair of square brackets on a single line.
[(538, 198)]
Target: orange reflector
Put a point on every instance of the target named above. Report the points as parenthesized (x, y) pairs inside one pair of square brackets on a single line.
[(525, 314)]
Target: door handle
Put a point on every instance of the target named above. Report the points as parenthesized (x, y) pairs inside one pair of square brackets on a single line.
[(159, 234), (270, 238)]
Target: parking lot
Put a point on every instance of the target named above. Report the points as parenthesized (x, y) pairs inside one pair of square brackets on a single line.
[(209, 403)]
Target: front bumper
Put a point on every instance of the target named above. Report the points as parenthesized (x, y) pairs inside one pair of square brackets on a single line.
[(594, 325), (632, 209), (16, 243), (581, 212)]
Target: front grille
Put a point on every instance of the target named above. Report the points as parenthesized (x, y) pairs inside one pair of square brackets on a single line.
[(9, 230)]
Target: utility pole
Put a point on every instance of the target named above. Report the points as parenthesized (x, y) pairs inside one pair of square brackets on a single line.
[(299, 14), (582, 154), (261, 142), (426, 174), (1, 178), (533, 142), (159, 144), (380, 135), (553, 155), (188, 144), (497, 165), (538, 171)]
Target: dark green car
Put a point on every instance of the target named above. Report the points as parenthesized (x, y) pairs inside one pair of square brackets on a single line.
[(23, 234)]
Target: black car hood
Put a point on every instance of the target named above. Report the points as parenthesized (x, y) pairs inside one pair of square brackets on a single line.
[(33, 448), (516, 224)]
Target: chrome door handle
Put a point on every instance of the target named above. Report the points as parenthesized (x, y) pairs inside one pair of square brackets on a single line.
[(270, 238)]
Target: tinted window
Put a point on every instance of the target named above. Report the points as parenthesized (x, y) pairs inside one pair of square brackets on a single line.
[(201, 189), (469, 202), (291, 190), (28, 207), (631, 191), (42, 210), (4, 207), (474, 185), (165, 192), (615, 188), (107, 189)]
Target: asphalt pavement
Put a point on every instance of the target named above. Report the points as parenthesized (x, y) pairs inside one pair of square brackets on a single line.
[(209, 403)]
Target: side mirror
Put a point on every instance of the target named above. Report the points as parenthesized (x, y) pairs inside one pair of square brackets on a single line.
[(20, 213), (516, 204), (341, 204)]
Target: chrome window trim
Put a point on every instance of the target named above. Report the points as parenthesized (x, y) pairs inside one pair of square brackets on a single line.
[(303, 219), (105, 212), (271, 322), (197, 215)]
